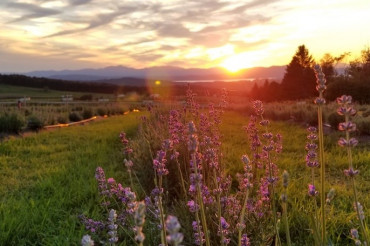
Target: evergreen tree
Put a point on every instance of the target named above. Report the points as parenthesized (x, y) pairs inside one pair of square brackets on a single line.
[(299, 80)]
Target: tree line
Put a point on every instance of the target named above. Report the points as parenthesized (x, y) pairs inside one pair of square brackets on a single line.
[(299, 81), (62, 85)]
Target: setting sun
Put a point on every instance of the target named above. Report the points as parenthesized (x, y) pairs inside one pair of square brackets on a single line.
[(239, 61)]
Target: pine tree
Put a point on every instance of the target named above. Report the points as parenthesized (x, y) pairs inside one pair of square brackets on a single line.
[(299, 80)]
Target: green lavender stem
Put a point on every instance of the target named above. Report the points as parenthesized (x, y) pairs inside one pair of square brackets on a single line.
[(285, 211), (200, 199), (241, 222), (218, 200), (322, 173)]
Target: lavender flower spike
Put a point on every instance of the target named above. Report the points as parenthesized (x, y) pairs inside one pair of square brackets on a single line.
[(245, 240), (312, 190), (139, 219), (173, 226), (112, 227), (87, 241)]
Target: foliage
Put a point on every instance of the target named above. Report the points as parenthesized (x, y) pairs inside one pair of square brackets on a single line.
[(34, 123), (299, 79), (10, 123), (74, 116), (87, 113)]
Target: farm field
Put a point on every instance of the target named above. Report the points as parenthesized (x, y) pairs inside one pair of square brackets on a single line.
[(15, 92), (47, 179)]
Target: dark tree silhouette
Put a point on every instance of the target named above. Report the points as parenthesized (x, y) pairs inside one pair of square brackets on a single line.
[(359, 69), (328, 63), (299, 80)]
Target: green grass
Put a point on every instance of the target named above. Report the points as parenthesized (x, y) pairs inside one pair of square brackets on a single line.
[(47, 180)]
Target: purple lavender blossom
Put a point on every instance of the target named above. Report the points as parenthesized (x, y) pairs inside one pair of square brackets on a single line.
[(344, 100), (350, 143), (350, 172), (347, 126), (173, 226), (102, 182), (346, 111), (127, 149), (258, 107), (92, 225), (224, 230), (312, 190), (87, 241), (112, 227), (245, 240), (159, 163), (193, 206), (320, 101), (360, 211), (198, 237)]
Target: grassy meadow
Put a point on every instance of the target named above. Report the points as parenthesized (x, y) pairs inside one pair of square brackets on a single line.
[(47, 179)]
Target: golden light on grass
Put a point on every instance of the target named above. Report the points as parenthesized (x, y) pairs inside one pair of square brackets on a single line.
[(157, 82)]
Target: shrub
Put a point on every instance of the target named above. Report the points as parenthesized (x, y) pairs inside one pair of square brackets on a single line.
[(74, 117), (101, 111), (10, 123), (34, 123), (61, 120), (87, 113)]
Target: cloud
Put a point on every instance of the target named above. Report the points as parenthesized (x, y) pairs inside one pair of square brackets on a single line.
[(35, 11), (250, 5), (100, 19), (78, 2)]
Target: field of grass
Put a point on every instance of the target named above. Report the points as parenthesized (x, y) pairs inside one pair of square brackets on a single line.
[(47, 180), (9, 91)]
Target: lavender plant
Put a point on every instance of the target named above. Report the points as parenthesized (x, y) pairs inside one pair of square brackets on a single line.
[(271, 169), (312, 163), (173, 227), (347, 110), (320, 101), (119, 205), (284, 199)]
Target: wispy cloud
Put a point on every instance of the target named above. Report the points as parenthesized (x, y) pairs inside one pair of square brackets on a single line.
[(34, 11)]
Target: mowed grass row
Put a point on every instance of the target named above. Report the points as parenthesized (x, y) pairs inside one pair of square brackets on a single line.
[(341, 216), (47, 180)]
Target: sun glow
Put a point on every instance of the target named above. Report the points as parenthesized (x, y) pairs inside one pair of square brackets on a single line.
[(243, 60), (237, 62)]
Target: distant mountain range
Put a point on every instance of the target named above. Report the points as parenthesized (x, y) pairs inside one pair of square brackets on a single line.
[(114, 74)]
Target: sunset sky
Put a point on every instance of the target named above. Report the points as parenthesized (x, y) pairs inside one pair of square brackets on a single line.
[(74, 34)]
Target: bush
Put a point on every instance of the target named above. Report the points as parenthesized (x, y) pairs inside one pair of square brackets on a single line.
[(101, 111), (61, 120), (10, 123), (74, 117), (334, 119), (87, 113), (34, 123)]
